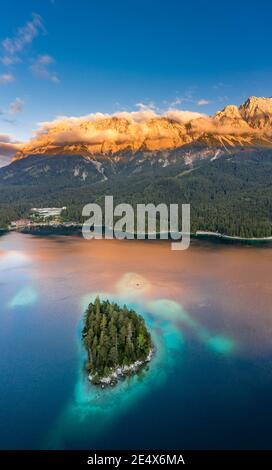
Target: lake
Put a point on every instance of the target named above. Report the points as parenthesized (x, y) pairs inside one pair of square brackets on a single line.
[(209, 310)]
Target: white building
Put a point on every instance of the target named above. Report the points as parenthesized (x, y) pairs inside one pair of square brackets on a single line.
[(47, 211)]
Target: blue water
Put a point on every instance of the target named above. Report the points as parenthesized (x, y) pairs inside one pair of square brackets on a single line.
[(209, 313)]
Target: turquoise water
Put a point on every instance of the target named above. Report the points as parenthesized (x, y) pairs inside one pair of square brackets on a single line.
[(209, 313)]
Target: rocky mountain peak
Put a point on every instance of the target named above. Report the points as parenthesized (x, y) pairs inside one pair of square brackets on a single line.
[(257, 111), (229, 111)]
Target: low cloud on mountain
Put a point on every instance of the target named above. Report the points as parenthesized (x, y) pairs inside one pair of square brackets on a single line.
[(146, 129), (8, 148)]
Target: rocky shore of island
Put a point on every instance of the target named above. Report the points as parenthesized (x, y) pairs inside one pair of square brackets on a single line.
[(120, 372)]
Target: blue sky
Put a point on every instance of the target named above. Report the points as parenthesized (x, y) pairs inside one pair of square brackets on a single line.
[(66, 57)]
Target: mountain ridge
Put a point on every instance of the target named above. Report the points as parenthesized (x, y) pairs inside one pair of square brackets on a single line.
[(250, 124)]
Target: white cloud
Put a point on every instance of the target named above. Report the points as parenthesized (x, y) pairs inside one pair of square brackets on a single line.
[(8, 148), (9, 60), (145, 107), (142, 116), (23, 37), (13, 46), (16, 106), (6, 78), (4, 161), (46, 59), (68, 122), (136, 116), (182, 116), (202, 102), (176, 102), (40, 68)]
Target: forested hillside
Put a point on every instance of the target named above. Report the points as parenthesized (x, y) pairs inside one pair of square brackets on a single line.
[(231, 194)]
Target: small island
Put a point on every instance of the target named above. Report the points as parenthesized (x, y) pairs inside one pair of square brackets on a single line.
[(117, 342)]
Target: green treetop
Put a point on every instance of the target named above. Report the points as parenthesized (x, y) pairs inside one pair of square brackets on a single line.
[(113, 336)]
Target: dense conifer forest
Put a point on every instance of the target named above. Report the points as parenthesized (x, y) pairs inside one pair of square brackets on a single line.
[(113, 336), (231, 195)]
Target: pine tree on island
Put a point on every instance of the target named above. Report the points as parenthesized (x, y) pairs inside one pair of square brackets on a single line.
[(117, 341)]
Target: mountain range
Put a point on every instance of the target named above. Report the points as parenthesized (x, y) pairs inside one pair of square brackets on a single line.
[(222, 165), (110, 136)]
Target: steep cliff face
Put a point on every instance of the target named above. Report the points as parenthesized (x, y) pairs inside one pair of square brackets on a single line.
[(249, 124), (257, 112), (231, 117)]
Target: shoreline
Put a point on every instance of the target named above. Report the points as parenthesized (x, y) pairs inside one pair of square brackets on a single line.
[(203, 233), (121, 372), (75, 229)]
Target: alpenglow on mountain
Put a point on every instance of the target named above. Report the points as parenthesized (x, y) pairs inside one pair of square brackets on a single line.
[(247, 125), (220, 165)]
